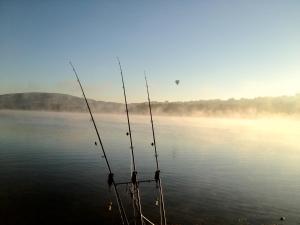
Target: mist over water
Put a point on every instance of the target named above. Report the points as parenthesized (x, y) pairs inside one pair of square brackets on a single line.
[(214, 170)]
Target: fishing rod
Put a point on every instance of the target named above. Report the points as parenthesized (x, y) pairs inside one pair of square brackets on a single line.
[(163, 220), (134, 179), (110, 175)]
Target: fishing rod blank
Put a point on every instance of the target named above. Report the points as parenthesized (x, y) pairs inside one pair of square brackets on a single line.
[(163, 219), (134, 172), (110, 176)]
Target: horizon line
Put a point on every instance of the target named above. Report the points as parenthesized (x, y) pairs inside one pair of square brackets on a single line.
[(166, 101)]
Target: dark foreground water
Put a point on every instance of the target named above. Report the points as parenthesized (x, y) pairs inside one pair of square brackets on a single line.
[(215, 171)]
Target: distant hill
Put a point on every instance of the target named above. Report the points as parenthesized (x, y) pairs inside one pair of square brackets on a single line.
[(54, 102), (242, 107)]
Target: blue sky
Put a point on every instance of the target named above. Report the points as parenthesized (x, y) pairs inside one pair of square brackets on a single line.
[(217, 49)]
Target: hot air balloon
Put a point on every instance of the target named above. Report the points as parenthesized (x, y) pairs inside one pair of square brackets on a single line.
[(177, 82)]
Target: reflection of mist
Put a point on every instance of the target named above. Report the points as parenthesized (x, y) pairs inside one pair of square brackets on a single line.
[(174, 152), (220, 165)]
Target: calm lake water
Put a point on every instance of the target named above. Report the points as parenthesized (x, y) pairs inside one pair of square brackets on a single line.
[(214, 171)]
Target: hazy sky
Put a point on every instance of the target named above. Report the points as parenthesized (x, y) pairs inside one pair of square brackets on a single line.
[(217, 49)]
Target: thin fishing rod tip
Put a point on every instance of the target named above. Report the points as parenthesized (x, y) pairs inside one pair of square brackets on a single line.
[(118, 59)]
